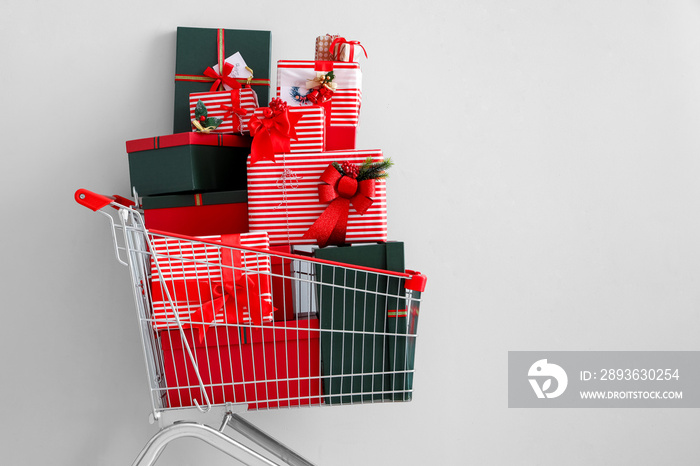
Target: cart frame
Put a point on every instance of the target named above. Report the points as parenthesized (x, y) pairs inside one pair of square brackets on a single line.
[(134, 248)]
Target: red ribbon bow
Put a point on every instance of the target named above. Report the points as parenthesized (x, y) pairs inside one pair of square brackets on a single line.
[(341, 191), (235, 299), (237, 293), (271, 134), (234, 108), (222, 77), (351, 43)]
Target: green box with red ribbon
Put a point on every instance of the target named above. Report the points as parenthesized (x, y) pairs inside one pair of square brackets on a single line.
[(367, 350), (188, 162), (200, 65)]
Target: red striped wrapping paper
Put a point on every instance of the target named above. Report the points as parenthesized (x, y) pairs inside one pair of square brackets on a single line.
[(283, 198), (342, 110), (214, 101), (310, 130), (181, 261)]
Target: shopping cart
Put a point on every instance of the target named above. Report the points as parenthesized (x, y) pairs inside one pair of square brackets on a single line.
[(230, 325)]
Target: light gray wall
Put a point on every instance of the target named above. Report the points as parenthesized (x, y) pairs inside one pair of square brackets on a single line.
[(546, 181)]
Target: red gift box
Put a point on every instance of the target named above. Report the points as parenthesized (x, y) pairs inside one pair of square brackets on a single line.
[(201, 277), (269, 367), (310, 129), (343, 108), (283, 198), (200, 214), (342, 49), (233, 107)]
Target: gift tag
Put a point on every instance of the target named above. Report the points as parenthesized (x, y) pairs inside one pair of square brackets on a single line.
[(239, 68)]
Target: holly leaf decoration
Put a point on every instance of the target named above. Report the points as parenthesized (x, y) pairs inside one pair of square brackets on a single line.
[(212, 122), (205, 122), (200, 111)]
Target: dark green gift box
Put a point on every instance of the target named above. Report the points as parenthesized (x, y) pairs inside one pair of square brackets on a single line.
[(199, 48), (368, 353), (188, 162)]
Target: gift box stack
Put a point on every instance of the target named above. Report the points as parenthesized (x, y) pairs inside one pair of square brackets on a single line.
[(243, 169)]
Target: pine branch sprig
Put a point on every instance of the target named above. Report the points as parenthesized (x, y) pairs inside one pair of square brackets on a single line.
[(371, 170), (367, 171)]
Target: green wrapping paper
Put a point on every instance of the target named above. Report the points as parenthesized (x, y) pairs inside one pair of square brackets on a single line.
[(383, 346), (191, 200), (188, 162), (200, 48)]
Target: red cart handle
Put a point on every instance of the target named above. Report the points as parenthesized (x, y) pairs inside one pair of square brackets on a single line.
[(417, 281), (96, 201)]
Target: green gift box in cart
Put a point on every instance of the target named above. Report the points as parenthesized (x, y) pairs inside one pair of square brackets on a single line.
[(368, 323)]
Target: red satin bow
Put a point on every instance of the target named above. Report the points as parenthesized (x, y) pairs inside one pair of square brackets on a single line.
[(271, 134), (222, 78), (235, 299), (234, 108), (351, 43), (236, 294), (341, 191)]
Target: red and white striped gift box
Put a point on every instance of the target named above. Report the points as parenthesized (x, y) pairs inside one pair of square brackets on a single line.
[(283, 198), (218, 104), (310, 130), (342, 110), (184, 264)]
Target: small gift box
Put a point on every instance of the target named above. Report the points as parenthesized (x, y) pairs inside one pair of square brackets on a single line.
[(308, 126), (284, 201), (200, 214), (212, 59), (323, 47), (210, 284), (336, 86), (233, 107), (188, 162), (345, 50), (376, 318), (271, 367)]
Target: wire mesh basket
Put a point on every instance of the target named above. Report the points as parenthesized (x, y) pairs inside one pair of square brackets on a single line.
[(230, 320)]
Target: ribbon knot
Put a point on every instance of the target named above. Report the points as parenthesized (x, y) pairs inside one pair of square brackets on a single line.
[(239, 295), (342, 192), (271, 133), (322, 79), (222, 77), (340, 41), (234, 109)]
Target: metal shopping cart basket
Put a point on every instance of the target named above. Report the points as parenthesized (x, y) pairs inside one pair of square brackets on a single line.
[(228, 325)]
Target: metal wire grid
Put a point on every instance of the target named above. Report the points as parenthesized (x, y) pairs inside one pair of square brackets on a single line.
[(352, 338)]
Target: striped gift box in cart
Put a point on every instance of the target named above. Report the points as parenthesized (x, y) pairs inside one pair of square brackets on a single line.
[(225, 105), (310, 130), (283, 198), (342, 110), (192, 270)]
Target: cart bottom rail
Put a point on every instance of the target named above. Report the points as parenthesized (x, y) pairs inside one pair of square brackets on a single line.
[(219, 440)]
